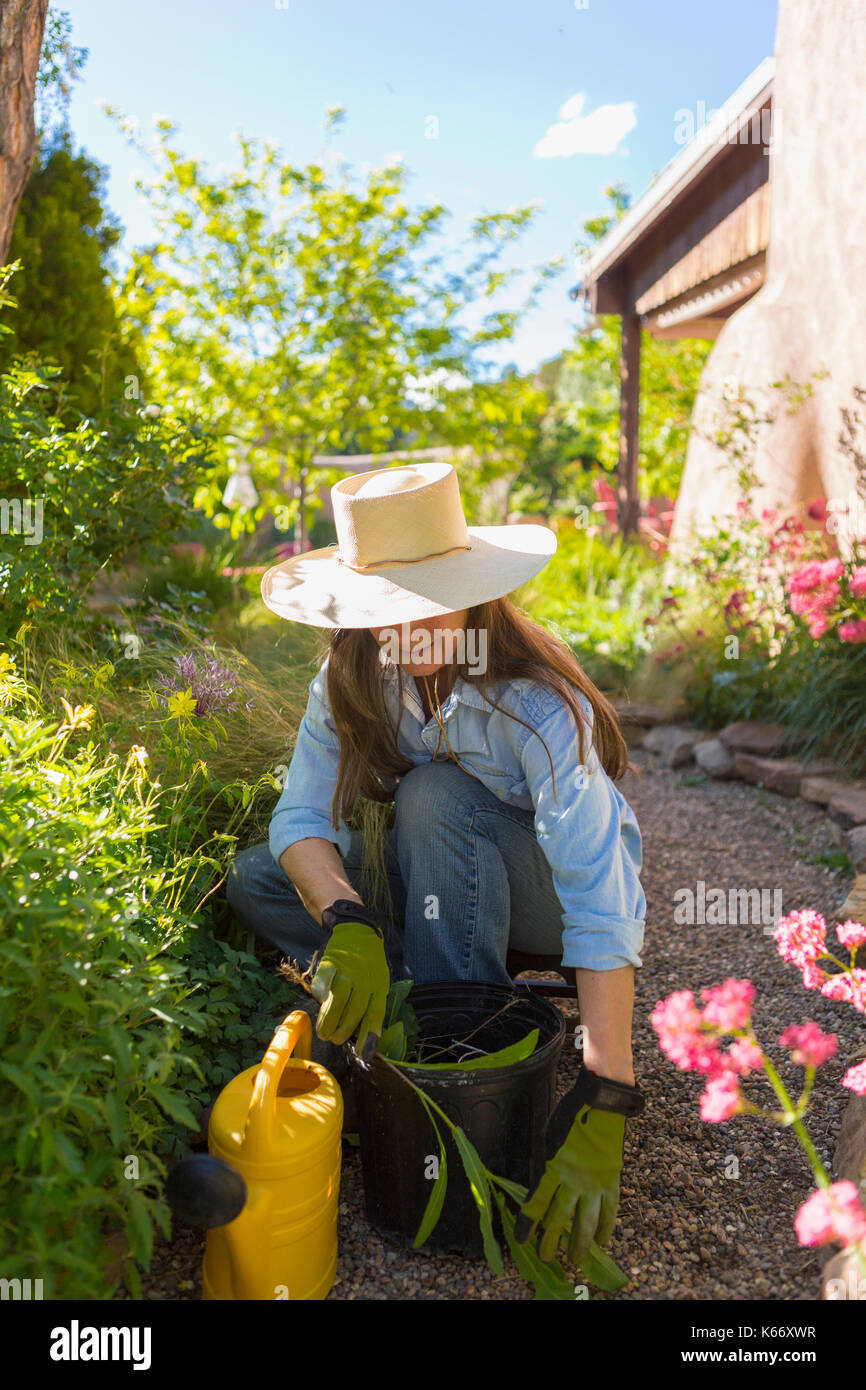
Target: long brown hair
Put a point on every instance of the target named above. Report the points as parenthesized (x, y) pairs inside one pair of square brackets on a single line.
[(517, 647)]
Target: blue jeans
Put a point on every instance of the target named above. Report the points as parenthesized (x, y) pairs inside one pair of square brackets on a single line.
[(468, 880)]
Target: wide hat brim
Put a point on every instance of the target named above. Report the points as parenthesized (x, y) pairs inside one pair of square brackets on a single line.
[(317, 589)]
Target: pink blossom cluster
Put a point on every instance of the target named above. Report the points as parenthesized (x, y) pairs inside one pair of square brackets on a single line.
[(810, 1046), (801, 938), (855, 1078), (691, 1038), (814, 591), (851, 934), (832, 1213)]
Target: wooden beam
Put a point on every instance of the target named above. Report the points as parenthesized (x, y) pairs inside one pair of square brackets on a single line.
[(629, 372)]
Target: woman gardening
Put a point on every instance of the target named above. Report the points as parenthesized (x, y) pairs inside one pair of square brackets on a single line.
[(501, 758)]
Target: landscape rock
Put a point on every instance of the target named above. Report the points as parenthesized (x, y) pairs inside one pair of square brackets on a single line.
[(821, 790), (673, 743), (853, 909), (750, 736), (855, 845), (645, 713), (782, 775), (848, 807), (714, 758)]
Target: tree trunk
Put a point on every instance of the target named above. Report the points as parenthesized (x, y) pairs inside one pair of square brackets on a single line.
[(22, 29)]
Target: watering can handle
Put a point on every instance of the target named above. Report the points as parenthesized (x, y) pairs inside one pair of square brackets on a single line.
[(294, 1036)]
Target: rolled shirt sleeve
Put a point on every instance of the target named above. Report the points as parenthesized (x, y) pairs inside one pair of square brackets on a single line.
[(304, 807), (590, 837)]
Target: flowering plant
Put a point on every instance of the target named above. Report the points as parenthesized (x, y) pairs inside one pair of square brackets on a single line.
[(831, 596), (692, 1037)]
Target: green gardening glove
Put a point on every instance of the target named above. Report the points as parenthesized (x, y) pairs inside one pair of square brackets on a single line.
[(352, 980), (578, 1194)]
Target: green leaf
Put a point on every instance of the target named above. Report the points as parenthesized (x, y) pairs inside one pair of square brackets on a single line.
[(547, 1277), (173, 1106), (392, 1043), (477, 1176), (601, 1270), (139, 1229), (397, 996), (433, 1209), (69, 1156), (513, 1189), (116, 1116), (505, 1057)]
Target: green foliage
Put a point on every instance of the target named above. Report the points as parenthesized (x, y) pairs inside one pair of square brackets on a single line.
[(578, 437), (727, 635), (595, 594), (94, 495), (65, 310), (307, 312), (504, 1057), (60, 64), (120, 1015)]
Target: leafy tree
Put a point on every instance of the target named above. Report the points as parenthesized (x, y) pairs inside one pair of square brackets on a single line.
[(582, 425), (301, 309), (60, 63), (66, 314)]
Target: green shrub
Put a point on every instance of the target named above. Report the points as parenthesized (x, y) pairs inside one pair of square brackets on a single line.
[(114, 998), (77, 500), (595, 594)]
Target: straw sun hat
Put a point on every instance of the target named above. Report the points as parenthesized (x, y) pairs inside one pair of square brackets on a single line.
[(404, 553)]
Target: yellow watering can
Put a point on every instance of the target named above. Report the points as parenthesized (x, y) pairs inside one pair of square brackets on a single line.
[(268, 1190)]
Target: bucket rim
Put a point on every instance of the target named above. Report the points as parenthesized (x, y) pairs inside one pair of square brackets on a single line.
[(420, 1073)]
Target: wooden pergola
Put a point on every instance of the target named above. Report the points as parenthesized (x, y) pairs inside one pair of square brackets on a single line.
[(688, 253)]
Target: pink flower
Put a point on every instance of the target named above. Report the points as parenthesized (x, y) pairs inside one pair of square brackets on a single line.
[(722, 1098), (801, 937), (855, 1078), (851, 934), (805, 578), (850, 986), (810, 1046), (831, 1213), (817, 510), (818, 624), (857, 582), (853, 631), (744, 1056), (678, 1023), (813, 976), (831, 569), (729, 1005)]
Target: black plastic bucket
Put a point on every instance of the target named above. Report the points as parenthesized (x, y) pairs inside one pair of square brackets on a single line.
[(503, 1110)]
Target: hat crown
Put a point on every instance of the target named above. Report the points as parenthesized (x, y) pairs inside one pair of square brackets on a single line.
[(399, 514)]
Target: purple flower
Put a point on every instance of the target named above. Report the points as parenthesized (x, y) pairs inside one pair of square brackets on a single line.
[(214, 687)]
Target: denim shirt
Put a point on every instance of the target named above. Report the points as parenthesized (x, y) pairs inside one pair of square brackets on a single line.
[(588, 832)]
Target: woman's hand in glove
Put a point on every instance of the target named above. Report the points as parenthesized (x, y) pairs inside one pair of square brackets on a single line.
[(578, 1194), (352, 984)]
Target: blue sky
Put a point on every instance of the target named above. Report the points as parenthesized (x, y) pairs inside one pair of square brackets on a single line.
[(489, 77)]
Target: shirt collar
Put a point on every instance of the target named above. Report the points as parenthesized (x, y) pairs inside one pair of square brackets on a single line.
[(464, 692)]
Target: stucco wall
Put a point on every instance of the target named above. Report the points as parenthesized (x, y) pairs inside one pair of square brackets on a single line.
[(811, 312)]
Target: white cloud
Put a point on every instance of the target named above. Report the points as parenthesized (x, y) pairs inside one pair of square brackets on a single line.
[(599, 132)]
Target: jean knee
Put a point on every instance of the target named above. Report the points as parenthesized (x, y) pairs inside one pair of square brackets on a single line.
[(430, 788)]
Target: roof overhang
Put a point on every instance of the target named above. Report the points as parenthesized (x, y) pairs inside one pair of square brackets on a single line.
[(680, 175)]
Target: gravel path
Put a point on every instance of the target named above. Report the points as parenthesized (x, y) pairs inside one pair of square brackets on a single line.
[(685, 1230)]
